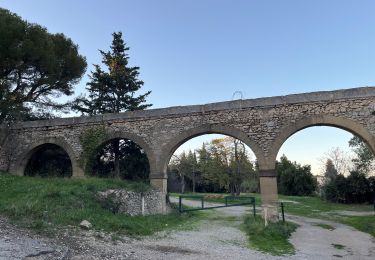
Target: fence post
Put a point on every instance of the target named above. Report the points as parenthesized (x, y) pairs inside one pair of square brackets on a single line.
[(179, 204), (282, 210), (254, 212), (202, 202)]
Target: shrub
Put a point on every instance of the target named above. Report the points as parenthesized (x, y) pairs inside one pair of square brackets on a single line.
[(295, 179), (355, 188)]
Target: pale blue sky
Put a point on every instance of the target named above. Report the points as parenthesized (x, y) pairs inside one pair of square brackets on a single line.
[(194, 52)]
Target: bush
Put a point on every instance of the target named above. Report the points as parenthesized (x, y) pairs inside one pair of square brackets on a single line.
[(295, 179), (250, 185), (335, 189), (355, 188)]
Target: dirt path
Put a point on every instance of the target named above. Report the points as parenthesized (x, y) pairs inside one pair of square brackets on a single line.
[(316, 242), (218, 237)]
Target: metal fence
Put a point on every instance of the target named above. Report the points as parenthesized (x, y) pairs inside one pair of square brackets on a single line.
[(229, 201)]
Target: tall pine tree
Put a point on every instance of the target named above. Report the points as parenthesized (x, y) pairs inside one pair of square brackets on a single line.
[(113, 91)]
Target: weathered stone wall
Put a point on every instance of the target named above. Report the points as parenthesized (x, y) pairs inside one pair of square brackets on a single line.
[(133, 203), (260, 123), (263, 124)]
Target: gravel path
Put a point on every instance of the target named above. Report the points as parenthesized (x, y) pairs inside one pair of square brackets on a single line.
[(218, 237), (16, 243)]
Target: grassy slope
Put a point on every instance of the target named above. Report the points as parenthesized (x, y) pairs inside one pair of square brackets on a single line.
[(41, 203)]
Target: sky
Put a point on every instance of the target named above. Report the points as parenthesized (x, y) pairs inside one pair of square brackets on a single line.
[(196, 52)]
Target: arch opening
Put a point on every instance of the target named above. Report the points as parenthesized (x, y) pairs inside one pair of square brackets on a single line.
[(48, 160), (173, 145), (119, 158), (342, 164), (212, 163), (328, 121)]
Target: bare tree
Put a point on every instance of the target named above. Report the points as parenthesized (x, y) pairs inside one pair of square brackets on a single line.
[(341, 160)]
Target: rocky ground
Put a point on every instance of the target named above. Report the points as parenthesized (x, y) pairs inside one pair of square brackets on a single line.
[(218, 237)]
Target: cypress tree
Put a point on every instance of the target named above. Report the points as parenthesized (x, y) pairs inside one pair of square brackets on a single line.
[(113, 90)]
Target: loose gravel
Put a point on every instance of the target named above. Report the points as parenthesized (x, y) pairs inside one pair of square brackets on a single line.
[(218, 237)]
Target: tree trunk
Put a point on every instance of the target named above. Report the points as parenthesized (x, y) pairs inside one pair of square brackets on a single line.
[(183, 184), (193, 182), (116, 150), (237, 178)]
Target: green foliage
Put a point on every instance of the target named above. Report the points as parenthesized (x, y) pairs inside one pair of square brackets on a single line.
[(330, 172), (132, 161), (114, 90), (355, 188), (35, 67), (362, 223), (364, 161), (294, 179), (90, 140), (271, 239), (39, 202), (217, 167), (251, 185)]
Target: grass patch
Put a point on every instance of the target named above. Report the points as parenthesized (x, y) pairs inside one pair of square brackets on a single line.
[(325, 226), (362, 223), (45, 203), (314, 207), (272, 239), (338, 246)]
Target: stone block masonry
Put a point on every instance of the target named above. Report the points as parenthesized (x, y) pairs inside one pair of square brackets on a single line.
[(133, 203)]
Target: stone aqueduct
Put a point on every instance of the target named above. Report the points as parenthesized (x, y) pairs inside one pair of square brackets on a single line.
[(263, 124)]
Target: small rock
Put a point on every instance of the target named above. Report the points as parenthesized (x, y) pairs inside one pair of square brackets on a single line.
[(85, 224)]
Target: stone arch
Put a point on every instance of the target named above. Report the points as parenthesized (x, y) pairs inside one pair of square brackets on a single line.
[(171, 147), (323, 120), (136, 139), (24, 158)]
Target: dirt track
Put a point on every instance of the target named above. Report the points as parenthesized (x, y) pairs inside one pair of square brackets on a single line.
[(218, 237)]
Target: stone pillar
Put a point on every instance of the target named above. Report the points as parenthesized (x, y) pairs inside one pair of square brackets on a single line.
[(77, 171), (160, 184), (268, 190)]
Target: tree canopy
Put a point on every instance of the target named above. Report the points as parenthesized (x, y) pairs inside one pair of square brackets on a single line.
[(36, 67), (295, 179), (216, 167), (365, 160), (114, 90)]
